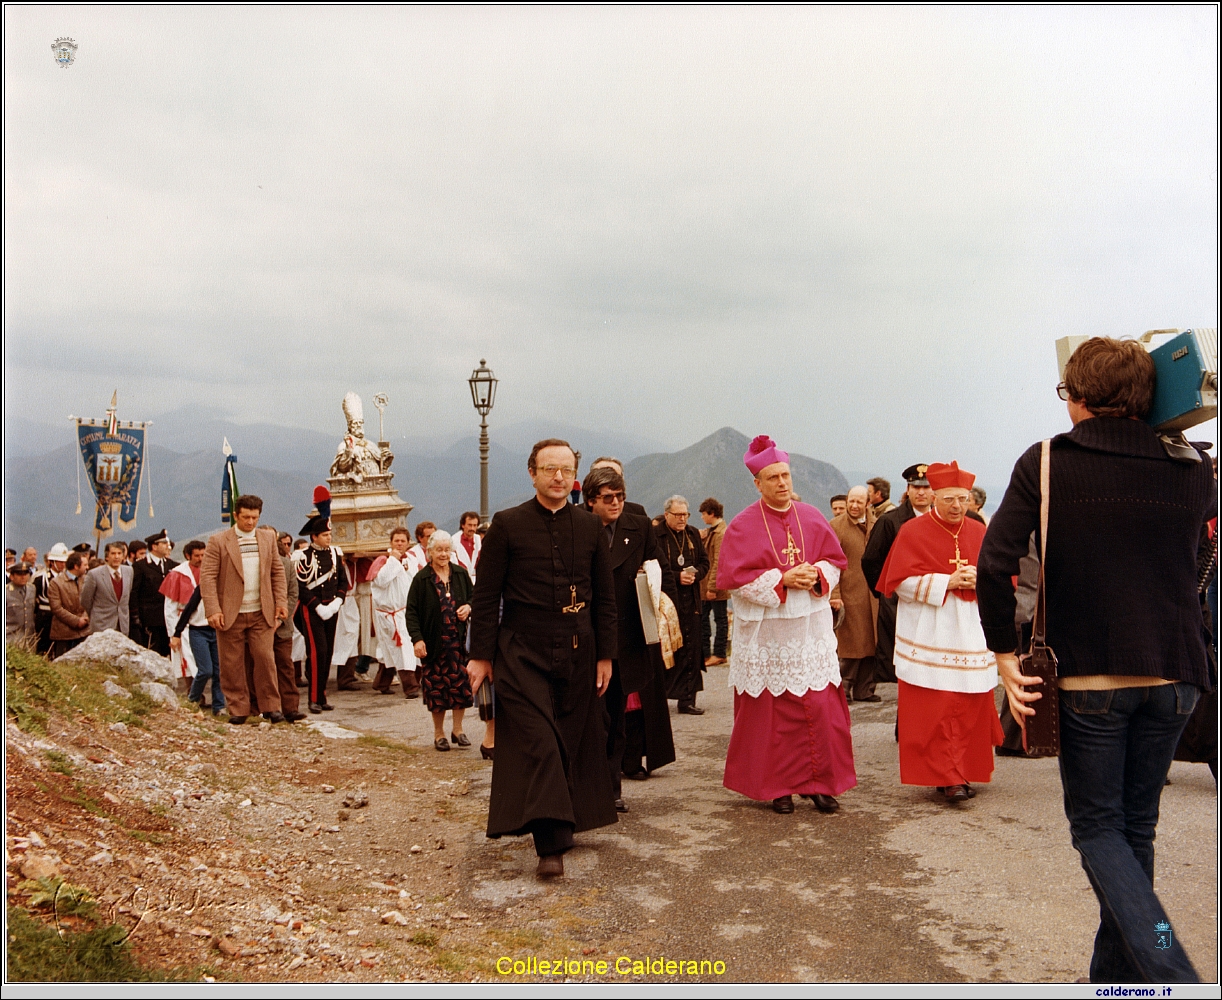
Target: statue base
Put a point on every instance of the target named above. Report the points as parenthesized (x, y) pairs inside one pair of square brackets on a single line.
[(364, 514)]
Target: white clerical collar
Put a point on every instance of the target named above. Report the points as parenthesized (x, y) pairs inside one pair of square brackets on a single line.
[(779, 510)]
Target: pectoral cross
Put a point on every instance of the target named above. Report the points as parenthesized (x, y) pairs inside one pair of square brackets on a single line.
[(957, 562), (791, 551), (574, 604)]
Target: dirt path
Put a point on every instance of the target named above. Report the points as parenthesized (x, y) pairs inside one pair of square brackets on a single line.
[(247, 871)]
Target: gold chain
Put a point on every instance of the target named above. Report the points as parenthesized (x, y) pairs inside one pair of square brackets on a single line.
[(801, 534)]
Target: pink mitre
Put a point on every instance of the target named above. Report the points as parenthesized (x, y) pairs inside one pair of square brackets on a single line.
[(763, 452)]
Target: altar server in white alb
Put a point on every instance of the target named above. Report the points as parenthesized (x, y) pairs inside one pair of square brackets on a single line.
[(390, 581), (948, 725), (467, 544)]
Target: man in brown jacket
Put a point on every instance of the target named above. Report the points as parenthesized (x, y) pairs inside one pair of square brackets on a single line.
[(855, 636), (714, 600), (245, 597), (69, 621)]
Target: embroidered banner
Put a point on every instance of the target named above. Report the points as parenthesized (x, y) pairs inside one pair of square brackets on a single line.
[(114, 460)]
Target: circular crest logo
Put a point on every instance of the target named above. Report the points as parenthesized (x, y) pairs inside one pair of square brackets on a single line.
[(64, 50)]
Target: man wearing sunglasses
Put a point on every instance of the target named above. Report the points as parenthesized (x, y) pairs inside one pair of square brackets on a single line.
[(639, 725), (544, 630)]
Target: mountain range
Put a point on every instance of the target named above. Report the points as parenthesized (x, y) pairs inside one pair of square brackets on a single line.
[(282, 465)]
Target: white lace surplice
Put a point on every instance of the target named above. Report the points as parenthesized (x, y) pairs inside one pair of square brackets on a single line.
[(783, 647)]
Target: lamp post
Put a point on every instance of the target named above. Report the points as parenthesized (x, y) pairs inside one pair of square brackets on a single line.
[(483, 395)]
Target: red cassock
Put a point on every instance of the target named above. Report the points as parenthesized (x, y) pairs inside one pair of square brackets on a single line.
[(948, 722)]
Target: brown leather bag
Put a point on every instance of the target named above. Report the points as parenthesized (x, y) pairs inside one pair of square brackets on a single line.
[(1042, 731)]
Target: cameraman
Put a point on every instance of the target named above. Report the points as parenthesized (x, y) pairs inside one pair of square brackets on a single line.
[(1124, 620)]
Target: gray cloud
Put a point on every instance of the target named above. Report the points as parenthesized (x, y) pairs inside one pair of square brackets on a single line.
[(860, 230)]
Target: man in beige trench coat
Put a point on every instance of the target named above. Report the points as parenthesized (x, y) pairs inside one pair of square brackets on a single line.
[(855, 633)]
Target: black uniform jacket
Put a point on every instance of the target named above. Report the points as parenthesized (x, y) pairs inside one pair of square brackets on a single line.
[(147, 606), (633, 543), (878, 545)]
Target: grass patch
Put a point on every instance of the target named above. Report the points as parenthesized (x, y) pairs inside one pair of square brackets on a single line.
[(451, 961), (426, 939), (522, 940), (34, 686), (59, 761), (67, 900), (385, 744), (38, 954)]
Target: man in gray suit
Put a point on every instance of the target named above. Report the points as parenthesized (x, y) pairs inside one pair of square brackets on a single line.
[(106, 591)]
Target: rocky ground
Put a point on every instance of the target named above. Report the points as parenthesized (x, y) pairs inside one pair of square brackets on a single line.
[(352, 851)]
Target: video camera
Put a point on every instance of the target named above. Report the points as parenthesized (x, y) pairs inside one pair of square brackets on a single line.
[(1185, 381)]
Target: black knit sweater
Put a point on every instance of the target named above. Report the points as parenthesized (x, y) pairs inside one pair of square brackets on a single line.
[(1124, 525)]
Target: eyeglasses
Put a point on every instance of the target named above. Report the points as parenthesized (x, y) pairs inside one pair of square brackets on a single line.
[(609, 498), (1063, 391), (552, 470), (682, 517)]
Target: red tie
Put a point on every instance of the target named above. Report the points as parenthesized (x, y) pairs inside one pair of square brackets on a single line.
[(117, 582)]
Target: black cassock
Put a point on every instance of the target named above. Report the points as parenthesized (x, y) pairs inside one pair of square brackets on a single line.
[(638, 666), (878, 546), (551, 751), (685, 678)]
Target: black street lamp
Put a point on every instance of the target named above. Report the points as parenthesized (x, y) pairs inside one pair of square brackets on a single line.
[(483, 395)]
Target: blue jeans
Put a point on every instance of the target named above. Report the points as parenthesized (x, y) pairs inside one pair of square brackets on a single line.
[(207, 665), (1116, 749)]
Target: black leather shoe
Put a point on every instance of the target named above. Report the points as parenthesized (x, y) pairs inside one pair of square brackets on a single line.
[(783, 805), (315, 708), (971, 792), (237, 720), (550, 866), (873, 697), (638, 776), (486, 752), (956, 793), (460, 739), (293, 716), (274, 717), (327, 708), (621, 806), (825, 803), (690, 710), (441, 743)]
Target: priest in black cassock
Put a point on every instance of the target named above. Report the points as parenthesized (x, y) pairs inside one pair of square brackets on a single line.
[(638, 719), (681, 547), (544, 631)]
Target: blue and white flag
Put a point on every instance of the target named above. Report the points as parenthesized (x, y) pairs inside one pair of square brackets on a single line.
[(114, 461)]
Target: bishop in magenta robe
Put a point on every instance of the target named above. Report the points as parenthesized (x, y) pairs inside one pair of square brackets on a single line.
[(791, 722)]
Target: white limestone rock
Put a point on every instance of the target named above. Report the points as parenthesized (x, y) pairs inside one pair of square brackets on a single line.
[(114, 647)]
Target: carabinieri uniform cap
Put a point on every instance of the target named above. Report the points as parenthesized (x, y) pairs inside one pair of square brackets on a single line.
[(161, 536), (914, 475)]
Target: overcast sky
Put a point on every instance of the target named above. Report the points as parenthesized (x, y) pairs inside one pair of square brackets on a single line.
[(858, 230)]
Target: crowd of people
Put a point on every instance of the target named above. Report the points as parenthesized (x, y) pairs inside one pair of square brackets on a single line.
[(573, 619)]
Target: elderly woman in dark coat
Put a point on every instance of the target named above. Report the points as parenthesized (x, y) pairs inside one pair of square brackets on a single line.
[(438, 609)]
